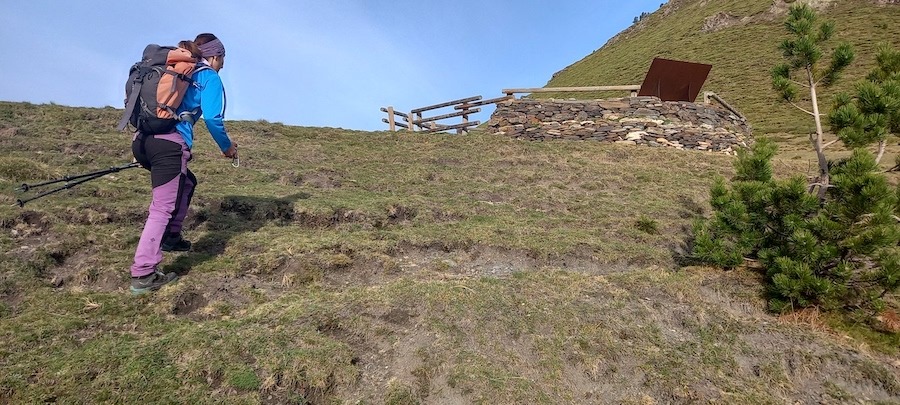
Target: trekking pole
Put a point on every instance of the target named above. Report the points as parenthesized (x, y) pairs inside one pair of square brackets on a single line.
[(82, 178), (25, 187)]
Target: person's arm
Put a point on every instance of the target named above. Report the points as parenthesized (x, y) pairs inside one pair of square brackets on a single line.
[(212, 103)]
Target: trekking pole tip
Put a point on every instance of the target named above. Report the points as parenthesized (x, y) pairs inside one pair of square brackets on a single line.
[(24, 187), (20, 203)]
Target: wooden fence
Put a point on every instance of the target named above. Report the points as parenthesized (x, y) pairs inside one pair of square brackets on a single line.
[(415, 121)]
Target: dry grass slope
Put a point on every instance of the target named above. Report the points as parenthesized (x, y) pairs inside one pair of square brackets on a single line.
[(383, 268)]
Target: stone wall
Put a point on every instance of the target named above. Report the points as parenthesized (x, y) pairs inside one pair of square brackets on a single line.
[(630, 121)]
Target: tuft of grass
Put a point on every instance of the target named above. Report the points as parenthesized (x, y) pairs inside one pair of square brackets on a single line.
[(647, 225), (400, 394), (18, 169), (244, 379)]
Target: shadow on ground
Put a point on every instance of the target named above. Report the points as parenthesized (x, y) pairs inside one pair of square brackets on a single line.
[(235, 215)]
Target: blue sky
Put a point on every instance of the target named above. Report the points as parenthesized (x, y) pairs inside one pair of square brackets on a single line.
[(328, 63)]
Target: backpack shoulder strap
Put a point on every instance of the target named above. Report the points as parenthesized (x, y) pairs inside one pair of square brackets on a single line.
[(200, 67), (132, 99)]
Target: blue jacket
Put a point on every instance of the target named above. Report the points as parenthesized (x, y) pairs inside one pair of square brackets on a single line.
[(208, 95)]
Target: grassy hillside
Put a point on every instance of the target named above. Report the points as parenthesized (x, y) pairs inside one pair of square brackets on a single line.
[(393, 268), (742, 54)]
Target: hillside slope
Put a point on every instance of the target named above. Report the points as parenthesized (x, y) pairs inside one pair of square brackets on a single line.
[(739, 38), (372, 267)]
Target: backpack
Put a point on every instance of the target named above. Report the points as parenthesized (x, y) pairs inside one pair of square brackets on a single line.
[(155, 87)]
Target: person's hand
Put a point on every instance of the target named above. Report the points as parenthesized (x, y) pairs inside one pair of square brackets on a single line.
[(231, 153)]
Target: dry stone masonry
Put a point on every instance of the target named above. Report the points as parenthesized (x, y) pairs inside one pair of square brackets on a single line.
[(630, 121)]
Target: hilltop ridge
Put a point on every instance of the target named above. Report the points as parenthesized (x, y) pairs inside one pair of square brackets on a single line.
[(739, 38)]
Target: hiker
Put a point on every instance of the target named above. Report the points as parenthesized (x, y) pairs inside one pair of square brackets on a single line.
[(166, 156)]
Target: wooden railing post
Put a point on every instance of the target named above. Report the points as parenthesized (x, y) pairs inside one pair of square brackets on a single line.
[(390, 113), (465, 119)]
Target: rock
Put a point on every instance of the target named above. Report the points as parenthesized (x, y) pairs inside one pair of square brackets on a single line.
[(613, 105), (633, 136), (646, 112)]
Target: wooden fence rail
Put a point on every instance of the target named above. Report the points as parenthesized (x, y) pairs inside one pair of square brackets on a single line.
[(447, 104), (708, 95), (632, 88)]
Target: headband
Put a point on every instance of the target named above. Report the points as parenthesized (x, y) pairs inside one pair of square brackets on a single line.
[(212, 48)]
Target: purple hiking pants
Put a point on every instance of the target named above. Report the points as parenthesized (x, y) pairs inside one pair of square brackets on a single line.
[(166, 156)]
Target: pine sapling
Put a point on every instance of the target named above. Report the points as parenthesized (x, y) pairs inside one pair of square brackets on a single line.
[(804, 68)]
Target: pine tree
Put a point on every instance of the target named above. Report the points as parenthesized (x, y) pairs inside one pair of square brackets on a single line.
[(835, 245), (873, 112), (804, 53)]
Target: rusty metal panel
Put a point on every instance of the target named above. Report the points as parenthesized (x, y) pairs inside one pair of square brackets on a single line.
[(673, 80)]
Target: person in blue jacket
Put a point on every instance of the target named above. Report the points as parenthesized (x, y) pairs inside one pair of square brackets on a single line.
[(167, 157)]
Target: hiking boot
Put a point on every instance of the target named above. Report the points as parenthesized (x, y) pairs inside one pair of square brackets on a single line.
[(151, 282), (175, 243)]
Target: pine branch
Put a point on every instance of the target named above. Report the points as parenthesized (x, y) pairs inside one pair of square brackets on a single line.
[(775, 231), (821, 184), (799, 83), (802, 109)]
